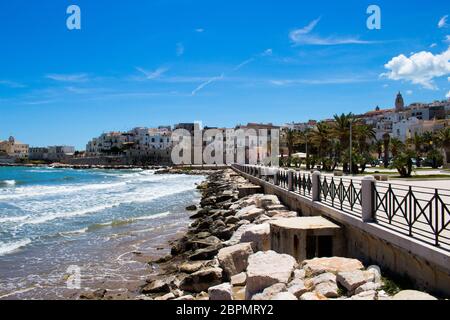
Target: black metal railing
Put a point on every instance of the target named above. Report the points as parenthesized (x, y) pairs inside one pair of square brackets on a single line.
[(282, 178), (302, 184), (342, 193), (418, 212)]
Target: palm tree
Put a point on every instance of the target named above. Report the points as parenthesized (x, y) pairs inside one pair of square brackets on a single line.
[(364, 135), (305, 139), (386, 143), (417, 142), (292, 138), (341, 131), (321, 139), (443, 140), (379, 148), (397, 146), (428, 141)]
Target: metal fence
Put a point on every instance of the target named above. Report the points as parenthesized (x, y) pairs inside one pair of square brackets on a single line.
[(422, 213), (342, 193), (418, 212), (302, 184)]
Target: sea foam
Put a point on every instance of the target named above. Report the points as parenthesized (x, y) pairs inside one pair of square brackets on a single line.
[(9, 247)]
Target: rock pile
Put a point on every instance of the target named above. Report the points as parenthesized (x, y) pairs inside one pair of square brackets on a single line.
[(225, 255)]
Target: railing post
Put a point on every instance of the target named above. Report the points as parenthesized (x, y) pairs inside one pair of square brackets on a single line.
[(275, 177), (368, 198), (315, 181), (291, 180)]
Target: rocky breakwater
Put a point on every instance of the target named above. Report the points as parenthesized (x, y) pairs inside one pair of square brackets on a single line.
[(226, 255)]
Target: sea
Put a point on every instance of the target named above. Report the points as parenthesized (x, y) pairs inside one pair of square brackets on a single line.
[(64, 232)]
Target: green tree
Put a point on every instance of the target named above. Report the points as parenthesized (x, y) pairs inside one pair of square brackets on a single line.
[(364, 136), (403, 163), (341, 131), (396, 146), (443, 142), (386, 148), (292, 140), (416, 142), (321, 140)]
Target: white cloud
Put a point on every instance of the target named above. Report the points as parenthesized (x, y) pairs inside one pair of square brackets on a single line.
[(243, 63), (448, 95), (80, 77), (447, 39), (325, 81), (267, 52), (420, 68), (204, 84), (180, 49), (199, 30), (38, 102), (433, 45), (150, 75), (443, 22), (303, 36), (409, 92), (11, 84)]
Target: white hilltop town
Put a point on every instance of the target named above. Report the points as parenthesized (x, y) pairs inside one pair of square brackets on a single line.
[(153, 145)]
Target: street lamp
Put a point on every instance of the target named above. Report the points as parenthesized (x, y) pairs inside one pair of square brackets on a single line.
[(351, 143)]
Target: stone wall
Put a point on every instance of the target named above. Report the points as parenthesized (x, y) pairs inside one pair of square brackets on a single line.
[(156, 159), (427, 267)]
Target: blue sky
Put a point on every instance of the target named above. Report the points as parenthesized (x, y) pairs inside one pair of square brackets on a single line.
[(149, 63)]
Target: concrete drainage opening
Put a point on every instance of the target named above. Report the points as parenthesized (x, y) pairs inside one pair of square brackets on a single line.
[(319, 246)]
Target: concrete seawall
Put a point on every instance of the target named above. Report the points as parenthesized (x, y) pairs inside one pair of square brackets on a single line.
[(427, 267)]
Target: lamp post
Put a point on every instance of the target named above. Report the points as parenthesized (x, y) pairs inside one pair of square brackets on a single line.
[(351, 145), (307, 155)]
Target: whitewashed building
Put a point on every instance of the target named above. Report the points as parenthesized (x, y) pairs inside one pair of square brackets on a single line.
[(14, 148)]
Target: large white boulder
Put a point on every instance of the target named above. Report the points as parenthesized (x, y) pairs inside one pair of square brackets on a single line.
[(334, 265), (221, 292), (270, 292), (297, 287), (353, 279), (324, 277), (413, 295), (367, 287), (239, 279), (282, 214), (234, 259), (325, 284), (366, 295), (258, 236), (312, 296), (249, 213), (267, 200), (267, 268), (236, 237), (328, 289), (284, 296), (201, 280)]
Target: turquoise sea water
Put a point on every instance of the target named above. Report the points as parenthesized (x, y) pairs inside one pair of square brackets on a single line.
[(52, 218)]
